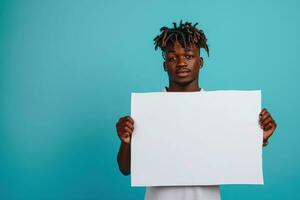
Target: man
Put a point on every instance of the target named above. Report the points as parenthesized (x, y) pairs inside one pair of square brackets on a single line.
[(180, 47)]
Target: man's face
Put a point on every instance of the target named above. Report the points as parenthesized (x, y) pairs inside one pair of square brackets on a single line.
[(182, 64)]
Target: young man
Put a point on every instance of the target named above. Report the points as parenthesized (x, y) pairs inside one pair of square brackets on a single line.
[(180, 47)]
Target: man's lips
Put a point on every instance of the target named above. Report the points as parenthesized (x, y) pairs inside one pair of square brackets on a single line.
[(183, 73)]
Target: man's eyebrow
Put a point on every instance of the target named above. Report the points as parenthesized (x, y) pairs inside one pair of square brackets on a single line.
[(188, 49), (170, 51)]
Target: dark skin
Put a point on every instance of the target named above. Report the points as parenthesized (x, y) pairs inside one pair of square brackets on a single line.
[(182, 66)]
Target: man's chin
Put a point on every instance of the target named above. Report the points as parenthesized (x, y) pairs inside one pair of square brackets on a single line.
[(184, 83)]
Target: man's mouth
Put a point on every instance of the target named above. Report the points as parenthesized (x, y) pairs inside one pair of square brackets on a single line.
[(182, 73)]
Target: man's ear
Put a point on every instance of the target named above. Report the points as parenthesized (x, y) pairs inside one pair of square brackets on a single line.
[(165, 67), (201, 62)]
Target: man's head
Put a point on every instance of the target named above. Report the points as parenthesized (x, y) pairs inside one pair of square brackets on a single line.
[(180, 47)]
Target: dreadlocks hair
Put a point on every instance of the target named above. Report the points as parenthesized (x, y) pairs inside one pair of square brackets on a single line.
[(186, 34)]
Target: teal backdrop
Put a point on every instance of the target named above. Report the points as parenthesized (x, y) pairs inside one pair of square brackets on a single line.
[(67, 69)]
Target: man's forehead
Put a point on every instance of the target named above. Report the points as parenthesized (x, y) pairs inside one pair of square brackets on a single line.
[(177, 46)]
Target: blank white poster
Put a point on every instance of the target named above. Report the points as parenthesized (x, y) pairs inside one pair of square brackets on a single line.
[(196, 138)]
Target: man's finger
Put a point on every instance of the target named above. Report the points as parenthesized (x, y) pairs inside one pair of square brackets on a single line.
[(269, 126), (130, 119), (264, 116), (125, 135), (130, 125), (122, 119), (263, 111), (266, 121), (127, 130)]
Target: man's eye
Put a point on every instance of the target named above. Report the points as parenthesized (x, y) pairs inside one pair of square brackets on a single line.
[(189, 56), (172, 59)]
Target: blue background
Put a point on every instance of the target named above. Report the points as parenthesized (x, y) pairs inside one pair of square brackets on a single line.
[(67, 69)]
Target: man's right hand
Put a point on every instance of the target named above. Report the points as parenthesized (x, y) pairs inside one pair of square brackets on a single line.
[(125, 128)]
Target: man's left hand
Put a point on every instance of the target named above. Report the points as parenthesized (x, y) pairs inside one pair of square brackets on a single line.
[(268, 125)]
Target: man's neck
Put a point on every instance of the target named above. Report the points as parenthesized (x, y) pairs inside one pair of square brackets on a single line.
[(188, 88)]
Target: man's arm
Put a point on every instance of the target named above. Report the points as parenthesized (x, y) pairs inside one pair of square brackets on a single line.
[(124, 129), (124, 158)]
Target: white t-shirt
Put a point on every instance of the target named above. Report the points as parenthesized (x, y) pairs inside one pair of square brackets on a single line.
[(211, 192), (183, 192)]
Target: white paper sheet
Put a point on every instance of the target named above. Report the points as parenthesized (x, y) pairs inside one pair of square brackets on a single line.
[(196, 138)]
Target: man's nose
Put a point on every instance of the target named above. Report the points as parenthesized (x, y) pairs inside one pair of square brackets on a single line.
[(181, 62)]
